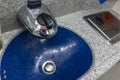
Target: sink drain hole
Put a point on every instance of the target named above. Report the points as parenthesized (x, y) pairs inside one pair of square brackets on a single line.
[(49, 67)]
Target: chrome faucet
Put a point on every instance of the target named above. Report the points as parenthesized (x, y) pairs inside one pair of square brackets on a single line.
[(38, 19)]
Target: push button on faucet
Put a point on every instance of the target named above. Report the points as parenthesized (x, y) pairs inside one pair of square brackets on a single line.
[(34, 4)]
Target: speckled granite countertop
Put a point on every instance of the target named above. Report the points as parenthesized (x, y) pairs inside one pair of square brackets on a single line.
[(105, 55)]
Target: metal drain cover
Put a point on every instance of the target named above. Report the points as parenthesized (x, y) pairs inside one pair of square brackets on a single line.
[(49, 67)]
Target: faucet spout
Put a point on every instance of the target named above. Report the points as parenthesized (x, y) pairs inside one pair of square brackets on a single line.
[(38, 19)]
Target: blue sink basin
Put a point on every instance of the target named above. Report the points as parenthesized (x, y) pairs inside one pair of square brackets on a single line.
[(26, 54)]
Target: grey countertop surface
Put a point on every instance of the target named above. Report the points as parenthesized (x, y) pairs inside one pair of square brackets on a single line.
[(105, 55)]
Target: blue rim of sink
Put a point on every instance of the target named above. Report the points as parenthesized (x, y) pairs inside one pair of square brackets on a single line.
[(87, 64)]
